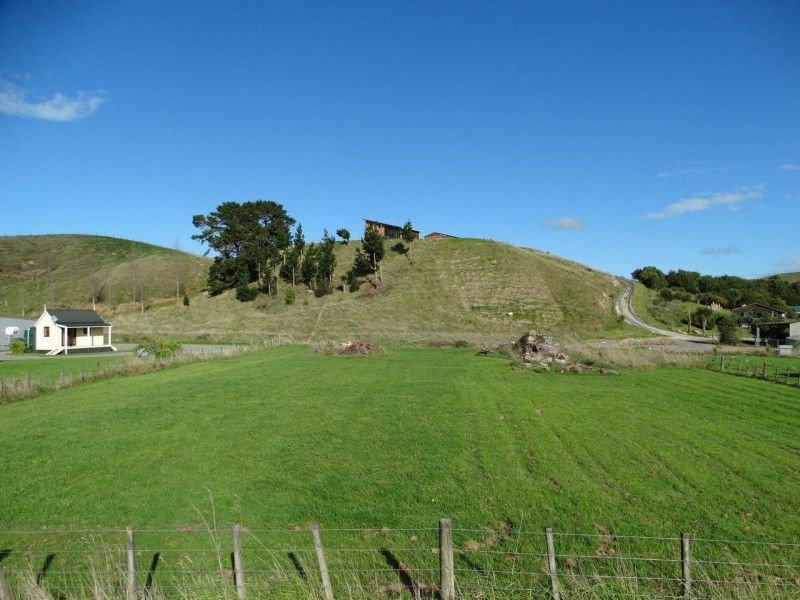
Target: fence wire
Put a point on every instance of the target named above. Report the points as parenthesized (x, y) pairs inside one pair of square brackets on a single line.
[(498, 561)]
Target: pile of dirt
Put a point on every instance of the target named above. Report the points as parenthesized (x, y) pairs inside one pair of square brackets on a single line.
[(358, 348), (538, 348)]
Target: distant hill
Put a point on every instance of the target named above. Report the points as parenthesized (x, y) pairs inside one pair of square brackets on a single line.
[(68, 270), (790, 276), (457, 289)]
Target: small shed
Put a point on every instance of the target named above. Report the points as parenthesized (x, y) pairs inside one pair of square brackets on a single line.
[(71, 329), (11, 328)]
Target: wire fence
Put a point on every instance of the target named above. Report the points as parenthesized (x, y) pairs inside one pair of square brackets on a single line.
[(777, 371), (27, 384), (497, 561)]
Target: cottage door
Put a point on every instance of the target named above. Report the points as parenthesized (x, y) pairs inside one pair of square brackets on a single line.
[(71, 335)]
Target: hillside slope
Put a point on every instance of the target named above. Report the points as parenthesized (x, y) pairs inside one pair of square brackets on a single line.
[(790, 276), (456, 289), (67, 270)]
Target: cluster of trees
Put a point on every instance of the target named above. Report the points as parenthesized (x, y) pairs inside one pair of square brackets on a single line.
[(258, 242), (727, 290), (369, 256)]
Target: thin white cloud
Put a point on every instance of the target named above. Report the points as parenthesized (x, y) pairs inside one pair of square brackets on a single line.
[(14, 101), (721, 250), (731, 200), (789, 167), (567, 224)]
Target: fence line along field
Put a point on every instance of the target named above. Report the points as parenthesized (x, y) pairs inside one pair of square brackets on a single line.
[(447, 562)]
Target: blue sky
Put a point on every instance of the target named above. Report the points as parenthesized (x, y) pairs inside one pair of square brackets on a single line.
[(616, 134)]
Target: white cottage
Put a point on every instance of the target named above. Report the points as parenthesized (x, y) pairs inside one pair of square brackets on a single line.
[(63, 329)]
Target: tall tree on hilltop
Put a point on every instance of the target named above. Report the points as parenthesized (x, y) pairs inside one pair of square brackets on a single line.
[(326, 259), (309, 266), (407, 234), (249, 239), (374, 249), (344, 234), (293, 256)]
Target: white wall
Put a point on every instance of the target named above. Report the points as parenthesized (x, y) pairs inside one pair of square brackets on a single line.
[(54, 340)]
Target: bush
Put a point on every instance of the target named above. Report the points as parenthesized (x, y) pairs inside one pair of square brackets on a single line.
[(291, 296), (727, 329), (18, 346), (159, 348), (323, 289), (186, 299), (244, 293), (666, 294)]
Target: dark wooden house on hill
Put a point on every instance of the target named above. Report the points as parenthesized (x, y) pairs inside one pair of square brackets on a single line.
[(747, 313), (388, 230)]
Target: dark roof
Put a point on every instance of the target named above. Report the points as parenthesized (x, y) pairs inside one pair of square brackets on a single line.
[(754, 304), (370, 221), (77, 317)]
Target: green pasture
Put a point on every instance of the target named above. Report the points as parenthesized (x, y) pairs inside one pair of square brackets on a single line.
[(49, 369), (283, 438)]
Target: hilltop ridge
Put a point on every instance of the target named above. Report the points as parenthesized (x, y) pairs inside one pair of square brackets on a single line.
[(70, 269)]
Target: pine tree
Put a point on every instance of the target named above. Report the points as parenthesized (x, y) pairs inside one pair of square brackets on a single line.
[(374, 249)]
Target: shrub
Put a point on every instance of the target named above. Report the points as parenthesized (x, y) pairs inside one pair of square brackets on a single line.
[(18, 346), (666, 294), (323, 288), (244, 293), (159, 348), (727, 329), (291, 296), (186, 299)]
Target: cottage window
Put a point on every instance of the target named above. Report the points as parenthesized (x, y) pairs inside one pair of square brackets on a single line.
[(46, 332)]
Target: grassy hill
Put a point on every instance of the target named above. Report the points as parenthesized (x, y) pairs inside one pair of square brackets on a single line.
[(65, 270), (455, 290), (791, 276), (286, 437)]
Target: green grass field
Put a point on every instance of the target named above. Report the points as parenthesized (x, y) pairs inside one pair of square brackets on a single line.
[(282, 438), (50, 369)]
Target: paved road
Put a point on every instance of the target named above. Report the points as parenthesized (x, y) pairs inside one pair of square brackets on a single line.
[(692, 343)]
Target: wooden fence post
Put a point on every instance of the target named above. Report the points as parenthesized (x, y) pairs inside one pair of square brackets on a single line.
[(131, 582), (551, 563), (327, 588), (5, 594), (238, 566), (686, 568), (764, 371), (788, 373), (447, 578)]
